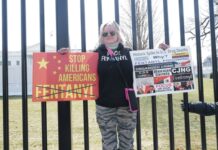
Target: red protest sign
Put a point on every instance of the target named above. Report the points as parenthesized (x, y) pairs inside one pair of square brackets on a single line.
[(72, 76)]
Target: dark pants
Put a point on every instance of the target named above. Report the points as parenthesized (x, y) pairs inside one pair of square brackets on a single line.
[(117, 126)]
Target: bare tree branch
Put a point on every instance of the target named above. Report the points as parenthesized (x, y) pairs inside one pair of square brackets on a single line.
[(204, 25), (141, 23)]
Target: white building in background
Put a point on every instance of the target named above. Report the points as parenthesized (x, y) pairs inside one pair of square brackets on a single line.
[(208, 65), (14, 70)]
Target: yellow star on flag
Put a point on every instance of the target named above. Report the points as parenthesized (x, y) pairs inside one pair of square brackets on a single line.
[(43, 63)]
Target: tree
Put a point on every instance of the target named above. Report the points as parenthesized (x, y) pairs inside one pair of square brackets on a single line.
[(204, 24), (141, 23)]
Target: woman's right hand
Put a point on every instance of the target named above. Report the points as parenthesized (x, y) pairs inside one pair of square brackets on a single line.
[(64, 51)]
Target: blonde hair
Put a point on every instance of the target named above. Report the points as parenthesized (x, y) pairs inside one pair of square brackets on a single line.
[(116, 28)]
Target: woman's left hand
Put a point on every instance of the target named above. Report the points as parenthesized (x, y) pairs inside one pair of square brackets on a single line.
[(163, 46)]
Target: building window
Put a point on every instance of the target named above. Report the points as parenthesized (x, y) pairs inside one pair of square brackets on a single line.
[(17, 62), (0, 63), (9, 63)]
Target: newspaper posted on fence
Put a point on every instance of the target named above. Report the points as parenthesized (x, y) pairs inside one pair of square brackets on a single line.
[(158, 71), (72, 76)]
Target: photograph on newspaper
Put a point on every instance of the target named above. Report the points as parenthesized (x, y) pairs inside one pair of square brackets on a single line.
[(158, 71)]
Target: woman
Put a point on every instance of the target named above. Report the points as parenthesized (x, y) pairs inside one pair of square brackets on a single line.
[(117, 124)]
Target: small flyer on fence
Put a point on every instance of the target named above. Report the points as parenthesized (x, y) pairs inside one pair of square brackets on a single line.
[(72, 76), (158, 71)]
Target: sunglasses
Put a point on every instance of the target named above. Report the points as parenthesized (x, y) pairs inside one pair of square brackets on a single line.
[(105, 34)]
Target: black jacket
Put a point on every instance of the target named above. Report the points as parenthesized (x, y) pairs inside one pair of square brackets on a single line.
[(111, 83), (202, 108)]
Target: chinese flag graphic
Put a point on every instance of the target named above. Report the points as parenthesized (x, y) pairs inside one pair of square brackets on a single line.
[(72, 76)]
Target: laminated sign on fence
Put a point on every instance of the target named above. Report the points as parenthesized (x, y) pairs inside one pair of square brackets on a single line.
[(72, 76), (158, 71)]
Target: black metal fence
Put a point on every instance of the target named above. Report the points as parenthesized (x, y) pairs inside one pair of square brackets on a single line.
[(64, 108)]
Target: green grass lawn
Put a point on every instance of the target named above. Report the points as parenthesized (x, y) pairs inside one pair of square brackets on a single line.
[(34, 123)]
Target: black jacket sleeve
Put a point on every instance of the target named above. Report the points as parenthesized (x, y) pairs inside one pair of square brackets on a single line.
[(203, 108)]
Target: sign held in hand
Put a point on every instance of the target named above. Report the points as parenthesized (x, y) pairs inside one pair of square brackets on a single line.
[(72, 76)]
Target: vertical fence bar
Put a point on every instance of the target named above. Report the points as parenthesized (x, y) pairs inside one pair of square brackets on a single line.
[(64, 108), (153, 98), (166, 22), (214, 58), (134, 28), (5, 74), (99, 13), (169, 96), (185, 95), (117, 15), (85, 103), (154, 122), (42, 49), (24, 75), (171, 122), (200, 74), (134, 46)]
